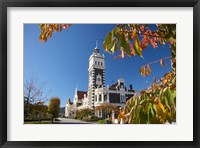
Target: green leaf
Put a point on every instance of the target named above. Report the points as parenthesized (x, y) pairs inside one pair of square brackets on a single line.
[(148, 107), (137, 47), (114, 47), (152, 112), (173, 50), (167, 92), (170, 39), (155, 108), (108, 42), (123, 43), (115, 31), (166, 103), (122, 40)]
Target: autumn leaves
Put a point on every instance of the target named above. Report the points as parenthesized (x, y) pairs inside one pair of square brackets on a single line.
[(47, 30), (132, 39)]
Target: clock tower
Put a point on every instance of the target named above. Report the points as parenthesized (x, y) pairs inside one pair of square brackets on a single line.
[(96, 74)]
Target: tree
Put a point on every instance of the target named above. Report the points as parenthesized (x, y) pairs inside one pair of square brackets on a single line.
[(156, 105), (33, 92), (107, 109), (54, 108), (86, 112), (40, 110)]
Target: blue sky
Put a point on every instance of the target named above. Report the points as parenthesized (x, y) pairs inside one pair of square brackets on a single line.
[(62, 62)]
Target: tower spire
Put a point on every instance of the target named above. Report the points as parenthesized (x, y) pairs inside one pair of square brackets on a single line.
[(96, 43), (76, 89), (96, 50)]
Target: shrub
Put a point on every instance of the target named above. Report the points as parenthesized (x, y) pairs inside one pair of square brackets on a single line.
[(83, 113), (90, 119), (104, 121)]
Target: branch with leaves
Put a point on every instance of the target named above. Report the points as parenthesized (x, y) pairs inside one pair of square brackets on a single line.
[(132, 39), (47, 30), (145, 70)]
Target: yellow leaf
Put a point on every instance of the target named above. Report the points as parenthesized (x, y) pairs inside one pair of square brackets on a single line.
[(149, 69), (134, 33), (161, 106), (137, 47), (164, 81)]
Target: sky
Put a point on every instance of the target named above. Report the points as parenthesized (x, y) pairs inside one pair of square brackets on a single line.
[(62, 62)]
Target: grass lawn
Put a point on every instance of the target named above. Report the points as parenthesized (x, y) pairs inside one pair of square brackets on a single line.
[(42, 122)]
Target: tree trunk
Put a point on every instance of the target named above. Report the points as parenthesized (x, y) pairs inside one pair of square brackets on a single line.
[(52, 120)]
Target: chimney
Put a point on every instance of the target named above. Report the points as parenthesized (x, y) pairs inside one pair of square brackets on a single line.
[(131, 88)]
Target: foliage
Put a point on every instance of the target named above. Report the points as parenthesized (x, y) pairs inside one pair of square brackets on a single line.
[(47, 30), (86, 112), (35, 112), (54, 107), (43, 122), (132, 39), (104, 121), (90, 119), (107, 108), (157, 105)]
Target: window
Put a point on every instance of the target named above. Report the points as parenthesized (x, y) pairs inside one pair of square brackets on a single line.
[(95, 62), (122, 98), (105, 97), (101, 63), (100, 113), (99, 97), (98, 63)]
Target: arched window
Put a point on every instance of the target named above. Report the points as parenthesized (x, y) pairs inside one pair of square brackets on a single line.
[(105, 97)]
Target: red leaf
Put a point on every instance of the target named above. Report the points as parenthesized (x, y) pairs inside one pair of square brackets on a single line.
[(162, 63)]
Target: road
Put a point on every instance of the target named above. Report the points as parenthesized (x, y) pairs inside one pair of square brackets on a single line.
[(72, 121)]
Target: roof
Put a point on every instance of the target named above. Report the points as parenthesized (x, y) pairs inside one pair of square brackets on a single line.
[(69, 101), (81, 94), (113, 86)]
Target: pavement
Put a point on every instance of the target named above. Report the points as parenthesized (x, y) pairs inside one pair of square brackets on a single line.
[(72, 121)]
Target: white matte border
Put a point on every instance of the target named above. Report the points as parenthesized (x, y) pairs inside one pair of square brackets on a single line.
[(181, 131)]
